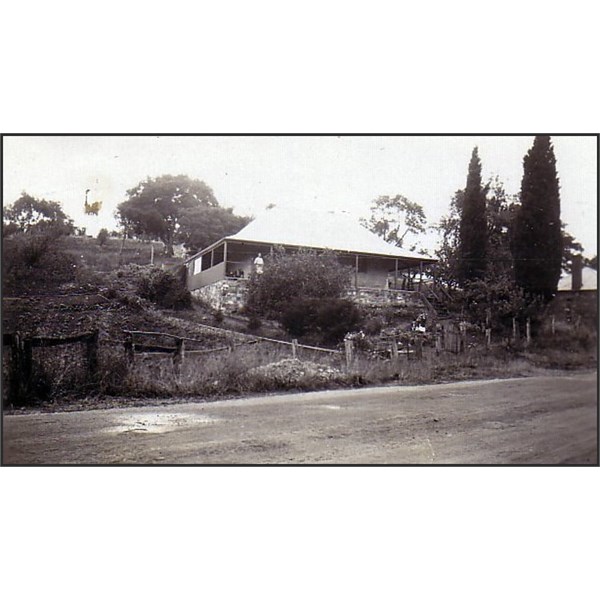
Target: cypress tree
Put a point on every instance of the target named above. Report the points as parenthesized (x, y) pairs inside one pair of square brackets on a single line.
[(537, 241), (473, 226)]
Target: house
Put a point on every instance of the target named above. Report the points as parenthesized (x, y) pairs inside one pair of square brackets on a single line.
[(577, 295), (218, 273)]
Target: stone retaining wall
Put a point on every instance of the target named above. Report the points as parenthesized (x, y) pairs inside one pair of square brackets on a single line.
[(229, 296)]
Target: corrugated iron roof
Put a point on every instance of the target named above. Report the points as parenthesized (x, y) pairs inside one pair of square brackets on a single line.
[(319, 229)]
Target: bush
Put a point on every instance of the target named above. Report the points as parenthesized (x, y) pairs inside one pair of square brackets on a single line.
[(32, 263), (102, 237), (327, 320), (254, 323), (303, 274), (164, 289)]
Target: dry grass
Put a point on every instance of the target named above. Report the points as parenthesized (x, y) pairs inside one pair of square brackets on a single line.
[(225, 374)]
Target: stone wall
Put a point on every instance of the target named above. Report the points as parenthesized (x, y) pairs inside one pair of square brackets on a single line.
[(229, 296), (226, 295)]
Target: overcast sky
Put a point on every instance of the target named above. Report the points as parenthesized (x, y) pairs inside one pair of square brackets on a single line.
[(336, 173)]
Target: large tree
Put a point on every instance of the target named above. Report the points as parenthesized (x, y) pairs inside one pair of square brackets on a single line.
[(392, 217), (154, 206), (538, 241), (447, 268), (473, 226), (202, 225), (36, 215)]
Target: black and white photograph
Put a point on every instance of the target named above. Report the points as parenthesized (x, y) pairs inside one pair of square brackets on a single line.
[(299, 299)]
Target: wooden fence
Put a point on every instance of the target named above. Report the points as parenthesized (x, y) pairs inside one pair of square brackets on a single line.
[(21, 358), (134, 343)]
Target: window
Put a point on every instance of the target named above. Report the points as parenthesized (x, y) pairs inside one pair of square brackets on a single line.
[(218, 255), (207, 261)]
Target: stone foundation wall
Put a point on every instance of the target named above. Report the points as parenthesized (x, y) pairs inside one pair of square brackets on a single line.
[(228, 295)]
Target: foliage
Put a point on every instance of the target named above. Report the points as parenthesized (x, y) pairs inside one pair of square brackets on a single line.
[(447, 268), (34, 215), (500, 211), (592, 262), (154, 206), (163, 288), (473, 226), (493, 302), (393, 217), (571, 248), (102, 237), (327, 320), (32, 262), (202, 225), (302, 274), (537, 243)]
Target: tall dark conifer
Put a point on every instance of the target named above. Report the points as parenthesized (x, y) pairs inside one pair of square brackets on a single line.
[(473, 226), (537, 241)]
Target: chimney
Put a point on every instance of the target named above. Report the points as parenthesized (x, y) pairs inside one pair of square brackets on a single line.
[(576, 273)]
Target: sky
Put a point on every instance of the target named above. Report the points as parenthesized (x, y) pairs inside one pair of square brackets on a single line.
[(313, 173)]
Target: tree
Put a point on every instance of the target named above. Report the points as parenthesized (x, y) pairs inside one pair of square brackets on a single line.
[(202, 225), (302, 274), (571, 247), (500, 213), (473, 225), (102, 236), (154, 206), (538, 242), (393, 217), (35, 215), (447, 269)]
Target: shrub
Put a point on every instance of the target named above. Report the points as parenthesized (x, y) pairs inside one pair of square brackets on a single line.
[(254, 323), (303, 274), (163, 288), (33, 262), (325, 319), (102, 237)]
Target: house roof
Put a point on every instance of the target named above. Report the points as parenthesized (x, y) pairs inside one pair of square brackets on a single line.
[(589, 280), (319, 229)]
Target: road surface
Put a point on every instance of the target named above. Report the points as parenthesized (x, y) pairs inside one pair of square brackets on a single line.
[(538, 420)]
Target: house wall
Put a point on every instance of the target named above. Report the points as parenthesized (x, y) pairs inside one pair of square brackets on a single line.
[(572, 307), (373, 272), (198, 280)]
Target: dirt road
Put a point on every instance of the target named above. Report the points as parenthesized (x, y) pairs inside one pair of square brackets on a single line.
[(548, 420)]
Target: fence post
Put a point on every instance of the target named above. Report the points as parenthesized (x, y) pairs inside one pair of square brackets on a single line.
[(488, 338), (92, 353), (419, 348), (349, 346), (16, 373), (27, 364), (294, 348), (178, 355), (438, 342), (515, 333), (129, 349), (394, 350), (528, 331), (462, 345)]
